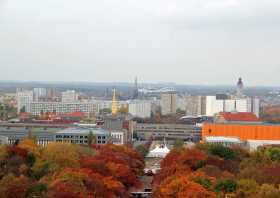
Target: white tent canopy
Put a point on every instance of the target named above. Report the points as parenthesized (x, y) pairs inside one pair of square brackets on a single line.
[(159, 152)]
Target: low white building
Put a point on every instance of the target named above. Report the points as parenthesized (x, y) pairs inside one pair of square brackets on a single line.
[(117, 137), (226, 141), (69, 96), (254, 144), (4, 140)]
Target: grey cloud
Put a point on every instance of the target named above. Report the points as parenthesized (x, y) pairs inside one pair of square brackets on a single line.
[(195, 41)]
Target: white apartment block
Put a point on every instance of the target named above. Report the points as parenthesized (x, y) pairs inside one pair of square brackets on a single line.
[(24, 98), (60, 107), (69, 96), (214, 106), (229, 105), (140, 108)]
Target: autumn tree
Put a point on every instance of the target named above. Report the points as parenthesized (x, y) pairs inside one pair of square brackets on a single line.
[(61, 155), (181, 186)]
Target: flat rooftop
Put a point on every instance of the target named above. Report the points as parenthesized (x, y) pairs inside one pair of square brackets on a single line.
[(80, 130)]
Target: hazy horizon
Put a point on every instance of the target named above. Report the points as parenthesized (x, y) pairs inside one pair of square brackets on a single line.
[(196, 42)]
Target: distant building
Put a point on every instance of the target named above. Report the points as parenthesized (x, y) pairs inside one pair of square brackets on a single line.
[(195, 105), (24, 98), (118, 137), (69, 96), (119, 124), (46, 135), (80, 135), (181, 102), (168, 131), (168, 103), (253, 135), (39, 93), (226, 141), (214, 106), (140, 108), (4, 140), (36, 108)]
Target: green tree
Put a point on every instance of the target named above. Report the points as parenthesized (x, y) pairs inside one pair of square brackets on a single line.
[(222, 151), (227, 186), (180, 111), (142, 150), (105, 111), (268, 191), (178, 144), (91, 138), (273, 153), (23, 109), (246, 188)]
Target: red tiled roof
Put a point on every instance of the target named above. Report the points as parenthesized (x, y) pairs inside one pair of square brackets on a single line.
[(74, 114), (24, 115), (239, 116)]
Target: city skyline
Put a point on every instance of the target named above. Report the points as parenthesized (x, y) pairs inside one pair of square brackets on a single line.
[(195, 42)]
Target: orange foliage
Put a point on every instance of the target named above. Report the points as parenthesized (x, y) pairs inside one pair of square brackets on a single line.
[(181, 187), (85, 183), (15, 150)]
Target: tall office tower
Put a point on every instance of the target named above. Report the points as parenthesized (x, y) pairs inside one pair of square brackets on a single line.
[(114, 104), (69, 96), (213, 106), (24, 99), (168, 103), (140, 108), (239, 88), (39, 93), (195, 105), (255, 106)]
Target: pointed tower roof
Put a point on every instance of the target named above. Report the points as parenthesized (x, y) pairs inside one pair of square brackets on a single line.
[(114, 103)]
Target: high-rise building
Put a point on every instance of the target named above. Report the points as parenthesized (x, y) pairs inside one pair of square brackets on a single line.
[(39, 93), (168, 103), (195, 105), (24, 98), (69, 96), (140, 108), (213, 106), (245, 104)]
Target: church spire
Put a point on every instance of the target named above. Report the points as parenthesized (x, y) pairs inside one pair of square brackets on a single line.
[(114, 103)]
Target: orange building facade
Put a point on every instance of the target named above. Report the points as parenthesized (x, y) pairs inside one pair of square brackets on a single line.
[(242, 131)]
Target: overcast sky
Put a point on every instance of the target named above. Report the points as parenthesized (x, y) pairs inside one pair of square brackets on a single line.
[(182, 41)]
